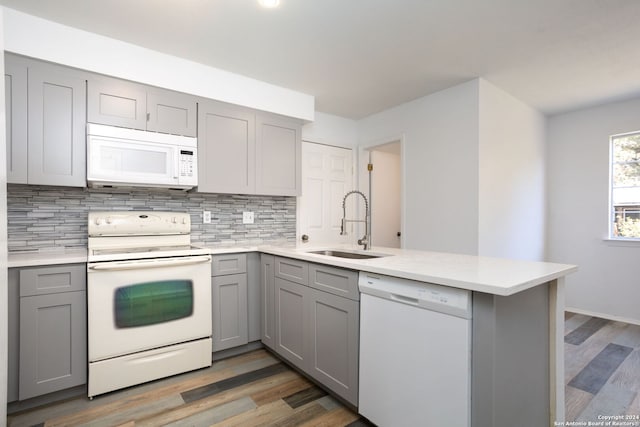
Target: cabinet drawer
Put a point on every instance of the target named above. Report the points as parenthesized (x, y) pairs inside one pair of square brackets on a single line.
[(337, 281), (53, 279), (292, 270), (221, 265)]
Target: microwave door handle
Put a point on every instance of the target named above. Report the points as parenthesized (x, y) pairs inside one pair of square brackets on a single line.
[(176, 171), (150, 263)]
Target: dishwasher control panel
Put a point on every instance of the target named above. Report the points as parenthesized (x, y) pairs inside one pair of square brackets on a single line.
[(424, 295)]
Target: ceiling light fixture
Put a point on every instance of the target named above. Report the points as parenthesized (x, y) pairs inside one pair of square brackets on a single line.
[(269, 4)]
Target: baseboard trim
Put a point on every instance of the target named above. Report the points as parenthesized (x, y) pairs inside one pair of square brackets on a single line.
[(603, 315)]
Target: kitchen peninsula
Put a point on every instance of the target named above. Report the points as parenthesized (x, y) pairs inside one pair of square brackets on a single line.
[(517, 318)]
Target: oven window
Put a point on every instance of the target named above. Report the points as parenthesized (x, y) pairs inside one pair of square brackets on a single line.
[(152, 303)]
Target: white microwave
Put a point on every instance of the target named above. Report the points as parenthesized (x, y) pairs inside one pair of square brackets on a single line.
[(134, 158)]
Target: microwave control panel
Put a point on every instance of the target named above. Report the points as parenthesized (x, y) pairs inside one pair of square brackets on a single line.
[(186, 163)]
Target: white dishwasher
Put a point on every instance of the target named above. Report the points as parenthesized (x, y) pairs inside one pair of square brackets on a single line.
[(415, 353)]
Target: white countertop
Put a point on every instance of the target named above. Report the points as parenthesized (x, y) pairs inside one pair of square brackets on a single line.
[(54, 256), (483, 274)]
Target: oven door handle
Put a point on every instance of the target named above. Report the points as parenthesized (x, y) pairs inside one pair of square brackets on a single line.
[(150, 263)]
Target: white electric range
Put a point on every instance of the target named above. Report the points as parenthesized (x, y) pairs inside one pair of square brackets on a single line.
[(148, 298)]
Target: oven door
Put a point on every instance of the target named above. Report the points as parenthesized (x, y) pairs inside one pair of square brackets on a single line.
[(143, 304)]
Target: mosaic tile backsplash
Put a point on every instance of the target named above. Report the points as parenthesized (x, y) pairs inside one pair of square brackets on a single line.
[(44, 217)]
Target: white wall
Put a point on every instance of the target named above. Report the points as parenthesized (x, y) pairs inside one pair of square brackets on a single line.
[(331, 130), (32, 36), (3, 244), (440, 170), (511, 177), (606, 283)]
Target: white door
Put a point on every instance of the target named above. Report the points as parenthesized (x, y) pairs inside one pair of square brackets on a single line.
[(327, 175)]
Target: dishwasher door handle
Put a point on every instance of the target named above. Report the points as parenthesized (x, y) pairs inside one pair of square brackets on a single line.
[(404, 299)]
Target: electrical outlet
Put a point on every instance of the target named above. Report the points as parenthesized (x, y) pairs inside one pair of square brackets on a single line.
[(247, 217), (206, 217)]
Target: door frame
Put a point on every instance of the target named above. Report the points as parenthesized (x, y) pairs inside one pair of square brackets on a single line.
[(362, 175)]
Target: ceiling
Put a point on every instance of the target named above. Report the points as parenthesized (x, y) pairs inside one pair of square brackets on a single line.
[(359, 57)]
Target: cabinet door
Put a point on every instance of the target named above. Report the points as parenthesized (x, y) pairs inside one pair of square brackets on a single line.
[(171, 112), (222, 265), (253, 296), (53, 343), (226, 149), (337, 281), (267, 301), (13, 342), (334, 330), (293, 341), (53, 279), (117, 102), (229, 311), (292, 270), (56, 121), (15, 84), (278, 156)]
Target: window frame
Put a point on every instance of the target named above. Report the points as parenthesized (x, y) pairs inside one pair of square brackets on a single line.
[(611, 217)]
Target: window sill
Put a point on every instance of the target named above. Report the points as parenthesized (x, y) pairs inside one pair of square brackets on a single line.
[(622, 242)]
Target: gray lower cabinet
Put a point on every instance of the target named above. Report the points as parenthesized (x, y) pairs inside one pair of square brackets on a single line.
[(311, 318), (335, 332), (253, 296), (267, 301), (293, 340), (229, 302), (117, 102), (48, 344), (47, 145)]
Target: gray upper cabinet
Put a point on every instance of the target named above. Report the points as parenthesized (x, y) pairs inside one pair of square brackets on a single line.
[(56, 121), (45, 123), (116, 102), (242, 151), (171, 112), (15, 83), (278, 155), (226, 149)]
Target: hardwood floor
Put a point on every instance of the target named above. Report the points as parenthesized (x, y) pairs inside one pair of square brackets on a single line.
[(602, 368), (254, 389), (602, 377)]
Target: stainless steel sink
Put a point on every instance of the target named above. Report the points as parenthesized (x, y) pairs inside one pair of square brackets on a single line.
[(345, 254)]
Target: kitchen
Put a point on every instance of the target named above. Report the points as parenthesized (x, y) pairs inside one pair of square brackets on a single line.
[(470, 210)]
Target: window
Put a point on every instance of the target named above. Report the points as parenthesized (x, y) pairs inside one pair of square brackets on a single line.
[(151, 303), (625, 186)]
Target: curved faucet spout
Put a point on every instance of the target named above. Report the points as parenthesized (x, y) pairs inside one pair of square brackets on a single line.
[(365, 241)]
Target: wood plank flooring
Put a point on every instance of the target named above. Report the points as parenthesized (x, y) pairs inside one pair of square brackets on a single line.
[(602, 368), (254, 389), (602, 377)]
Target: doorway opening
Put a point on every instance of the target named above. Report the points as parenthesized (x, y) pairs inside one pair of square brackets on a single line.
[(383, 184)]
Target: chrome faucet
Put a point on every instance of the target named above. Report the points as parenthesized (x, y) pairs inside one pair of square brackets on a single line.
[(365, 241)]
